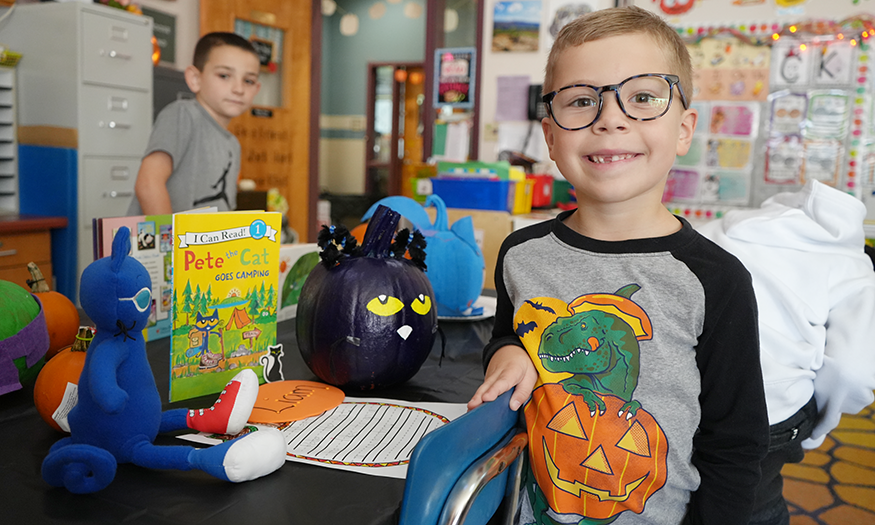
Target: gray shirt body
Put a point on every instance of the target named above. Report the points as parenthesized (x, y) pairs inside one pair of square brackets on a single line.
[(206, 158)]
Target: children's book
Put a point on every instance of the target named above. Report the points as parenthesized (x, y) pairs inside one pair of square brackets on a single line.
[(296, 263), (224, 298), (152, 245)]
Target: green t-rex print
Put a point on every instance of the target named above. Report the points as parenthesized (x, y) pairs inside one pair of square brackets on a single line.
[(601, 351)]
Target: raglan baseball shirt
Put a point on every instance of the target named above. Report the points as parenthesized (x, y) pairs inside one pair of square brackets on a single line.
[(649, 404)]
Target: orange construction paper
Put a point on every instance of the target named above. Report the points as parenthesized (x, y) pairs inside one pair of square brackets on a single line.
[(282, 401)]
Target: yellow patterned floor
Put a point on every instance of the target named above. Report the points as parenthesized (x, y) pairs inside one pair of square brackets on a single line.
[(835, 484)]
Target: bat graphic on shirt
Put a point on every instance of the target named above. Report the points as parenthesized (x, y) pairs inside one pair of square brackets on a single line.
[(524, 328), (539, 306)]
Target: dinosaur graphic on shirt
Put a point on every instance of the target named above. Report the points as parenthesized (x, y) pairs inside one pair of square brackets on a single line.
[(595, 451)]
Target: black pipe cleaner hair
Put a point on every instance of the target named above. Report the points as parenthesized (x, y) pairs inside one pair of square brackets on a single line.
[(332, 236), (380, 241)]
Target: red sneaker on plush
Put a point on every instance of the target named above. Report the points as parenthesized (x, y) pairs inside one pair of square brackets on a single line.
[(229, 413)]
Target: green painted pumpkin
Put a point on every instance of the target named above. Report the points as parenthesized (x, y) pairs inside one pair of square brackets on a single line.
[(24, 337)]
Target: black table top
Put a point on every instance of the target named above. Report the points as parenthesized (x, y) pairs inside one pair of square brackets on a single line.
[(295, 494)]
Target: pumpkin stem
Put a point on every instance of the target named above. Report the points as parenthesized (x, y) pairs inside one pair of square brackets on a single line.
[(83, 339), (380, 232), (37, 282)]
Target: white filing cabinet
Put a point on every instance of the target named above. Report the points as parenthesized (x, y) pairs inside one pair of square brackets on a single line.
[(87, 68), (8, 146)]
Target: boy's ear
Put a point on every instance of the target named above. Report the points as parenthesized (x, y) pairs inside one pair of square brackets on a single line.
[(688, 127), (193, 79), (548, 134)]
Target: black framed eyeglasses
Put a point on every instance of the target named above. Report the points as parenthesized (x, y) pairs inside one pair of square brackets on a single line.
[(641, 97)]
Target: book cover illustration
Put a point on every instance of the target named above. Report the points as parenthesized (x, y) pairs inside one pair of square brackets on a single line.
[(224, 298), (296, 262), (151, 244)]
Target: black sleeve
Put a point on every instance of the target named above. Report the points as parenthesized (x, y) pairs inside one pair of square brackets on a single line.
[(502, 329), (733, 434)]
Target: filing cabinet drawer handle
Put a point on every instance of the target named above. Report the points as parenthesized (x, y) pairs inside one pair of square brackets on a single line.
[(113, 125), (118, 104), (119, 173), (118, 194), (118, 33), (7, 253), (121, 56)]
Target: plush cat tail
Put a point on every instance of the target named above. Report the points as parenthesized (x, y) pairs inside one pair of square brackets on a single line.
[(121, 247), (81, 469)]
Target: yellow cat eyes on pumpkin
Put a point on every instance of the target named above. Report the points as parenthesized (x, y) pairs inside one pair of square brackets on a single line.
[(386, 305)]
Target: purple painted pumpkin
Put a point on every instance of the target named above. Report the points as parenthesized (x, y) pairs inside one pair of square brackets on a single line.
[(367, 317)]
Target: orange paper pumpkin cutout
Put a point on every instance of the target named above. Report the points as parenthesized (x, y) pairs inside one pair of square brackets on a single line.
[(282, 401), (598, 465)]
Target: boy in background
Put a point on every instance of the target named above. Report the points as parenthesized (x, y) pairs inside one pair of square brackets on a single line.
[(192, 160), (637, 334), (816, 297)]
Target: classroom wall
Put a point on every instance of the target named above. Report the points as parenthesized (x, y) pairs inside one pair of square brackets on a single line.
[(854, 153), (781, 11), (187, 13), (498, 132), (395, 36)]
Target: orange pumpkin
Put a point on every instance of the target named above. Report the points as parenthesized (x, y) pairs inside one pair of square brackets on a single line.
[(597, 466), (50, 389), (62, 316)]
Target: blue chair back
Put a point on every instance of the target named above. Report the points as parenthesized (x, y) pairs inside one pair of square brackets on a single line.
[(480, 448)]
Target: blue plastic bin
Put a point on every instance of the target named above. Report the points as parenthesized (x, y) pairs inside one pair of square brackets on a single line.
[(475, 194)]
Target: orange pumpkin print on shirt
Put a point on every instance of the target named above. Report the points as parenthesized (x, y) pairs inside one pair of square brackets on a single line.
[(596, 466), (594, 450)]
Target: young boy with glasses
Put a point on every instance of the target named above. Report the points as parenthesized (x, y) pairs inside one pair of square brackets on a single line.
[(635, 336)]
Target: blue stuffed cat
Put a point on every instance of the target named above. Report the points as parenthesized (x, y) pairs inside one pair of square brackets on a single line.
[(118, 414)]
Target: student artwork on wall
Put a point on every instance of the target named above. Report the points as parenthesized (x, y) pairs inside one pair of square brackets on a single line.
[(564, 11), (810, 110), (516, 26), (675, 7), (727, 68), (718, 167)]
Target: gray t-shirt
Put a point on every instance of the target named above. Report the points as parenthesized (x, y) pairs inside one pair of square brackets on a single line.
[(206, 158)]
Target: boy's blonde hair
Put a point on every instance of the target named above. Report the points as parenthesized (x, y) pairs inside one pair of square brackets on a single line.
[(620, 21)]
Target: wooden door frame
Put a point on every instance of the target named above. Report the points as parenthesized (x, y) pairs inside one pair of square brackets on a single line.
[(314, 100), (394, 186), (434, 39), (315, 114)]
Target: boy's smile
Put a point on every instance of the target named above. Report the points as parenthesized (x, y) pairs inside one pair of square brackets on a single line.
[(618, 162), (227, 84)]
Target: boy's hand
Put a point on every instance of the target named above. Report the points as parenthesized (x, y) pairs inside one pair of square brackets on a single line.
[(510, 367)]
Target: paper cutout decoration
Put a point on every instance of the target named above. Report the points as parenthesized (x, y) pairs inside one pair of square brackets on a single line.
[(284, 401)]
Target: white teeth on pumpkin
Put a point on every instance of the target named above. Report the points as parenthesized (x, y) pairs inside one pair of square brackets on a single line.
[(404, 331), (615, 158)]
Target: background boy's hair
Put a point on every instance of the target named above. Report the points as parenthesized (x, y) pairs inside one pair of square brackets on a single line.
[(621, 21), (211, 41)]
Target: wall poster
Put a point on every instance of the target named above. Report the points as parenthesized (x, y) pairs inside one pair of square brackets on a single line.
[(454, 77)]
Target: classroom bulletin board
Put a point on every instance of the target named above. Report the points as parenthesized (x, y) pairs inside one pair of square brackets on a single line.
[(783, 97)]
